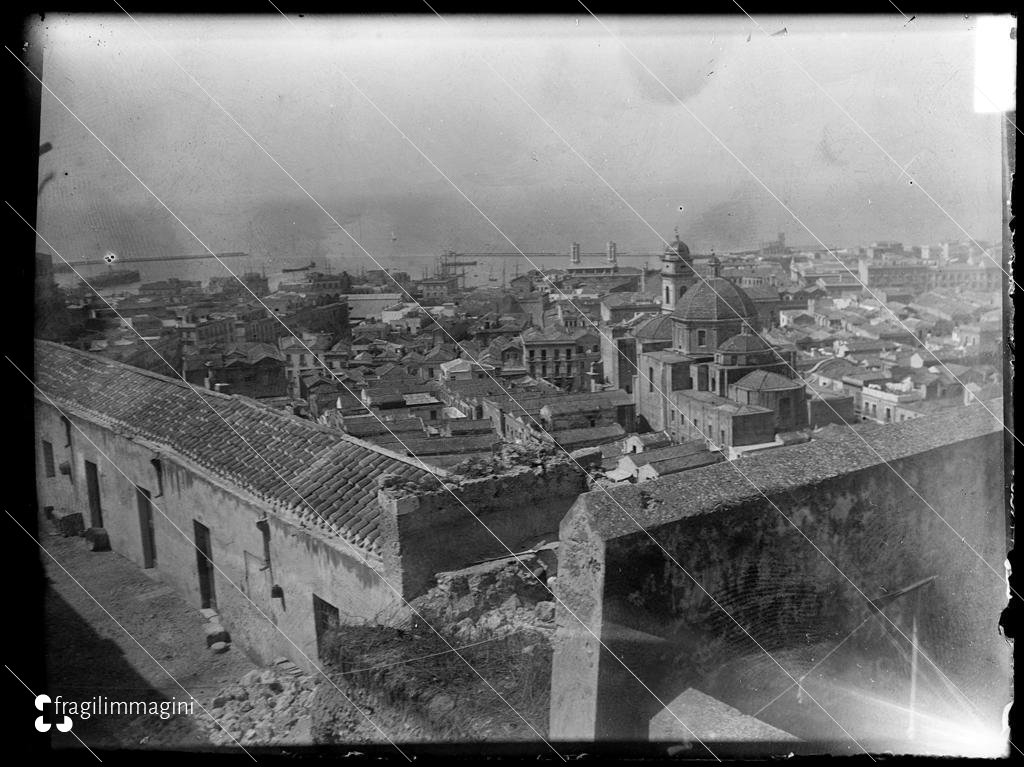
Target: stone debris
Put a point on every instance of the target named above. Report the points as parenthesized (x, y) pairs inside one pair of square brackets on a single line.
[(265, 707), (488, 600)]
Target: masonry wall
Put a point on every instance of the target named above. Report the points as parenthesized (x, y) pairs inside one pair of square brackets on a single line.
[(869, 523), (302, 562), (429, 532)]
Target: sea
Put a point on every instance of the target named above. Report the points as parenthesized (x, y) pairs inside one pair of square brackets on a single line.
[(489, 271)]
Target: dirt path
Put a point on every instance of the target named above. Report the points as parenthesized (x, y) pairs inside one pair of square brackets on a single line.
[(89, 655)]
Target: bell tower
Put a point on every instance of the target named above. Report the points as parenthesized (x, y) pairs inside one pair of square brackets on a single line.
[(676, 273)]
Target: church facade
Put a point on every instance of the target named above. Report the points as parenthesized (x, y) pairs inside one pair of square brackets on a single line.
[(718, 380)]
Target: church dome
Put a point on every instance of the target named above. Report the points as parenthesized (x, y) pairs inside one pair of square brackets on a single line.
[(745, 343), (766, 380), (715, 299)]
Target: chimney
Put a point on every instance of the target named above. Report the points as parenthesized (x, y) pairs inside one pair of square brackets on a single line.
[(611, 252), (574, 253)]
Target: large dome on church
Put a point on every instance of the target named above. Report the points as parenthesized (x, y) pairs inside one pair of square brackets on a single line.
[(713, 299)]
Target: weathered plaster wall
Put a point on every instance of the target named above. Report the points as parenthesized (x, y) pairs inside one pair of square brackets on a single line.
[(302, 562)]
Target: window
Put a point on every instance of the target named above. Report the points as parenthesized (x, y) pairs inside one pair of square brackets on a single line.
[(668, 294), (650, 379), (543, 354), (158, 467), (568, 354), (702, 338), (264, 527), (48, 459), (67, 431), (531, 354)]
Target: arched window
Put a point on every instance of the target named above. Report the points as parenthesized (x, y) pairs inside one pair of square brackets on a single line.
[(668, 295)]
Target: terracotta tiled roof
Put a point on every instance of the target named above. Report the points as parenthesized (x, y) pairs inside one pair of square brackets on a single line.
[(766, 380), (744, 342), (333, 472)]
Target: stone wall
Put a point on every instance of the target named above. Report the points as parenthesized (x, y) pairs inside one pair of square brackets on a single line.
[(873, 533), (430, 531)]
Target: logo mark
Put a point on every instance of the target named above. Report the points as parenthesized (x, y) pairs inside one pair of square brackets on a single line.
[(48, 717)]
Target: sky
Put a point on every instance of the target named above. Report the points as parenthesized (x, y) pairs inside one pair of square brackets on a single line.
[(414, 131)]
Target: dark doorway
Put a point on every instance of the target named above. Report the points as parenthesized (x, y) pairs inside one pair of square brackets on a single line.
[(204, 566), (325, 618), (146, 528), (92, 483)]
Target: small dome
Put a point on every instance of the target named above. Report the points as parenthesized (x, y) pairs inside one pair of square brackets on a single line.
[(677, 249), (715, 299), (765, 380), (744, 343), (658, 328)]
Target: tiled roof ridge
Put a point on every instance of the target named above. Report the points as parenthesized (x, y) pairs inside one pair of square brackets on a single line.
[(99, 359), (332, 473), (241, 399)]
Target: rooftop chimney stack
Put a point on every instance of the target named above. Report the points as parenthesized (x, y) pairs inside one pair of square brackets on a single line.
[(574, 253), (611, 253)]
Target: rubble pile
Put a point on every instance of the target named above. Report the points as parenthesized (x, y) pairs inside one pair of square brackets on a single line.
[(266, 707), (490, 599)]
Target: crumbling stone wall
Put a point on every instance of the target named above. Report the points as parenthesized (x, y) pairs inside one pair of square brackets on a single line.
[(429, 531), (486, 600)]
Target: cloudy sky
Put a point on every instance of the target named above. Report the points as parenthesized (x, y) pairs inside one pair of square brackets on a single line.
[(723, 104)]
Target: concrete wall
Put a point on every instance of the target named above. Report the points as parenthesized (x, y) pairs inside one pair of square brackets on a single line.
[(302, 562), (749, 558)]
